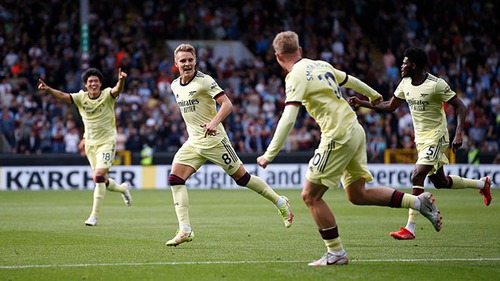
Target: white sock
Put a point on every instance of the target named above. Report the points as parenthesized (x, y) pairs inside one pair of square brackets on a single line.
[(417, 204), (185, 227), (338, 253), (280, 202)]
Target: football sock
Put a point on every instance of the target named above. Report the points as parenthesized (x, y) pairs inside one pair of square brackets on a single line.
[(113, 186), (414, 210), (409, 201), (332, 240), (460, 183), (185, 228), (181, 203), (280, 202), (412, 220), (261, 187), (99, 192)]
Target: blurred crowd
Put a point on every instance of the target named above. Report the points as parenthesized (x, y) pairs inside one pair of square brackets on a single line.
[(41, 39)]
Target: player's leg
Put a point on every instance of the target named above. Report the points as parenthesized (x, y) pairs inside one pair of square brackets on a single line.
[(324, 170), (99, 192), (431, 157), (180, 172), (440, 180), (417, 178), (255, 183), (312, 194), (225, 157), (106, 154), (123, 188), (349, 160), (99, 177)]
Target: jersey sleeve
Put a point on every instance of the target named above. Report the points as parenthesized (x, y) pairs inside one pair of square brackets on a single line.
[(444, 90), (212, 86), (355, 84), (295, 89), (399, 93), (283, 129), (340, 76), (77, 98)]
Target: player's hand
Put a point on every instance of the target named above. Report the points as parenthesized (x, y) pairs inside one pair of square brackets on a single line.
[(373, 103), (41, 85), (457, 142), (210, 129), (121, 74), (355, 102), (262, 161), (81, 145)]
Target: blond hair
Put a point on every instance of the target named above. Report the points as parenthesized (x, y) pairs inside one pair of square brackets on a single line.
[(185, 48), (286, 42)]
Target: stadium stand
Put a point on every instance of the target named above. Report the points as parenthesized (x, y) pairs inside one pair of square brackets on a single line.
[(41, 39)]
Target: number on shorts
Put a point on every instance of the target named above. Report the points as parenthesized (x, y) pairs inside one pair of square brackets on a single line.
[(430, 151), (316, 159), (106, 156), (225, 157)]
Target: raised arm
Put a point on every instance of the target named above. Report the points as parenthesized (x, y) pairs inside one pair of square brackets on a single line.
[(60, 95), (118, 88)]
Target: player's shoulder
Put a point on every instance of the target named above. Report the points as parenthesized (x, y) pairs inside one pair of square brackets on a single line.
[(200, 74), (438, 83), (432, 78), (81, 92), (79, 95), (106, 91), (405, 81)]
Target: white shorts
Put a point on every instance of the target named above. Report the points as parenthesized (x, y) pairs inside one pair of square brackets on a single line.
[(333, 162), (222, 154), (101, 155)]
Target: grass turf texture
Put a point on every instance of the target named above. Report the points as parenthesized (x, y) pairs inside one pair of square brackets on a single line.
[(239, 236)]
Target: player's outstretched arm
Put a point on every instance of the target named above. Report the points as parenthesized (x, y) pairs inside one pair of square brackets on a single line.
[(65, 97), (283, 129), (378, 104), (118, 88)]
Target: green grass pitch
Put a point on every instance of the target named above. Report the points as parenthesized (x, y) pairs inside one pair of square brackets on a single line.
[(239, 236)]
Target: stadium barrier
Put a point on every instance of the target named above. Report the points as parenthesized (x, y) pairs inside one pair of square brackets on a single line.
[(278, 175)]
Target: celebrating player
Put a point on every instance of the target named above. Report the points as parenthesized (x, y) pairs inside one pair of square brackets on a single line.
[(425, 95), (96, 108), (197, 94), (341, 154)]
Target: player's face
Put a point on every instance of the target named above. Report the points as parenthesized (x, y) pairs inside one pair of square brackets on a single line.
[(185, 62), (407, 68), (93, 85)]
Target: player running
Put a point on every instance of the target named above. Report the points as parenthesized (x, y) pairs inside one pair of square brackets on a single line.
[(425, 95), (197, 94), (341, 154), (96, 108)]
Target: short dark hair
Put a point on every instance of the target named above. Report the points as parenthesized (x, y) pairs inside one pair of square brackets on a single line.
[(417, 55), (91, 72)]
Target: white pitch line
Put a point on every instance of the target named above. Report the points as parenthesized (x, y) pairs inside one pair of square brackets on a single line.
[(230, 262)]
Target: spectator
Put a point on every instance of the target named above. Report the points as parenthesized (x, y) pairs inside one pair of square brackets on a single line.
[(71, 141)]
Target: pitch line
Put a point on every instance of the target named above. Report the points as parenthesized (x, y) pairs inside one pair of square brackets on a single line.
[(230, 262)]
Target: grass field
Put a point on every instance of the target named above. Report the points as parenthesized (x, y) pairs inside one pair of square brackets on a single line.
[(239, 236)]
